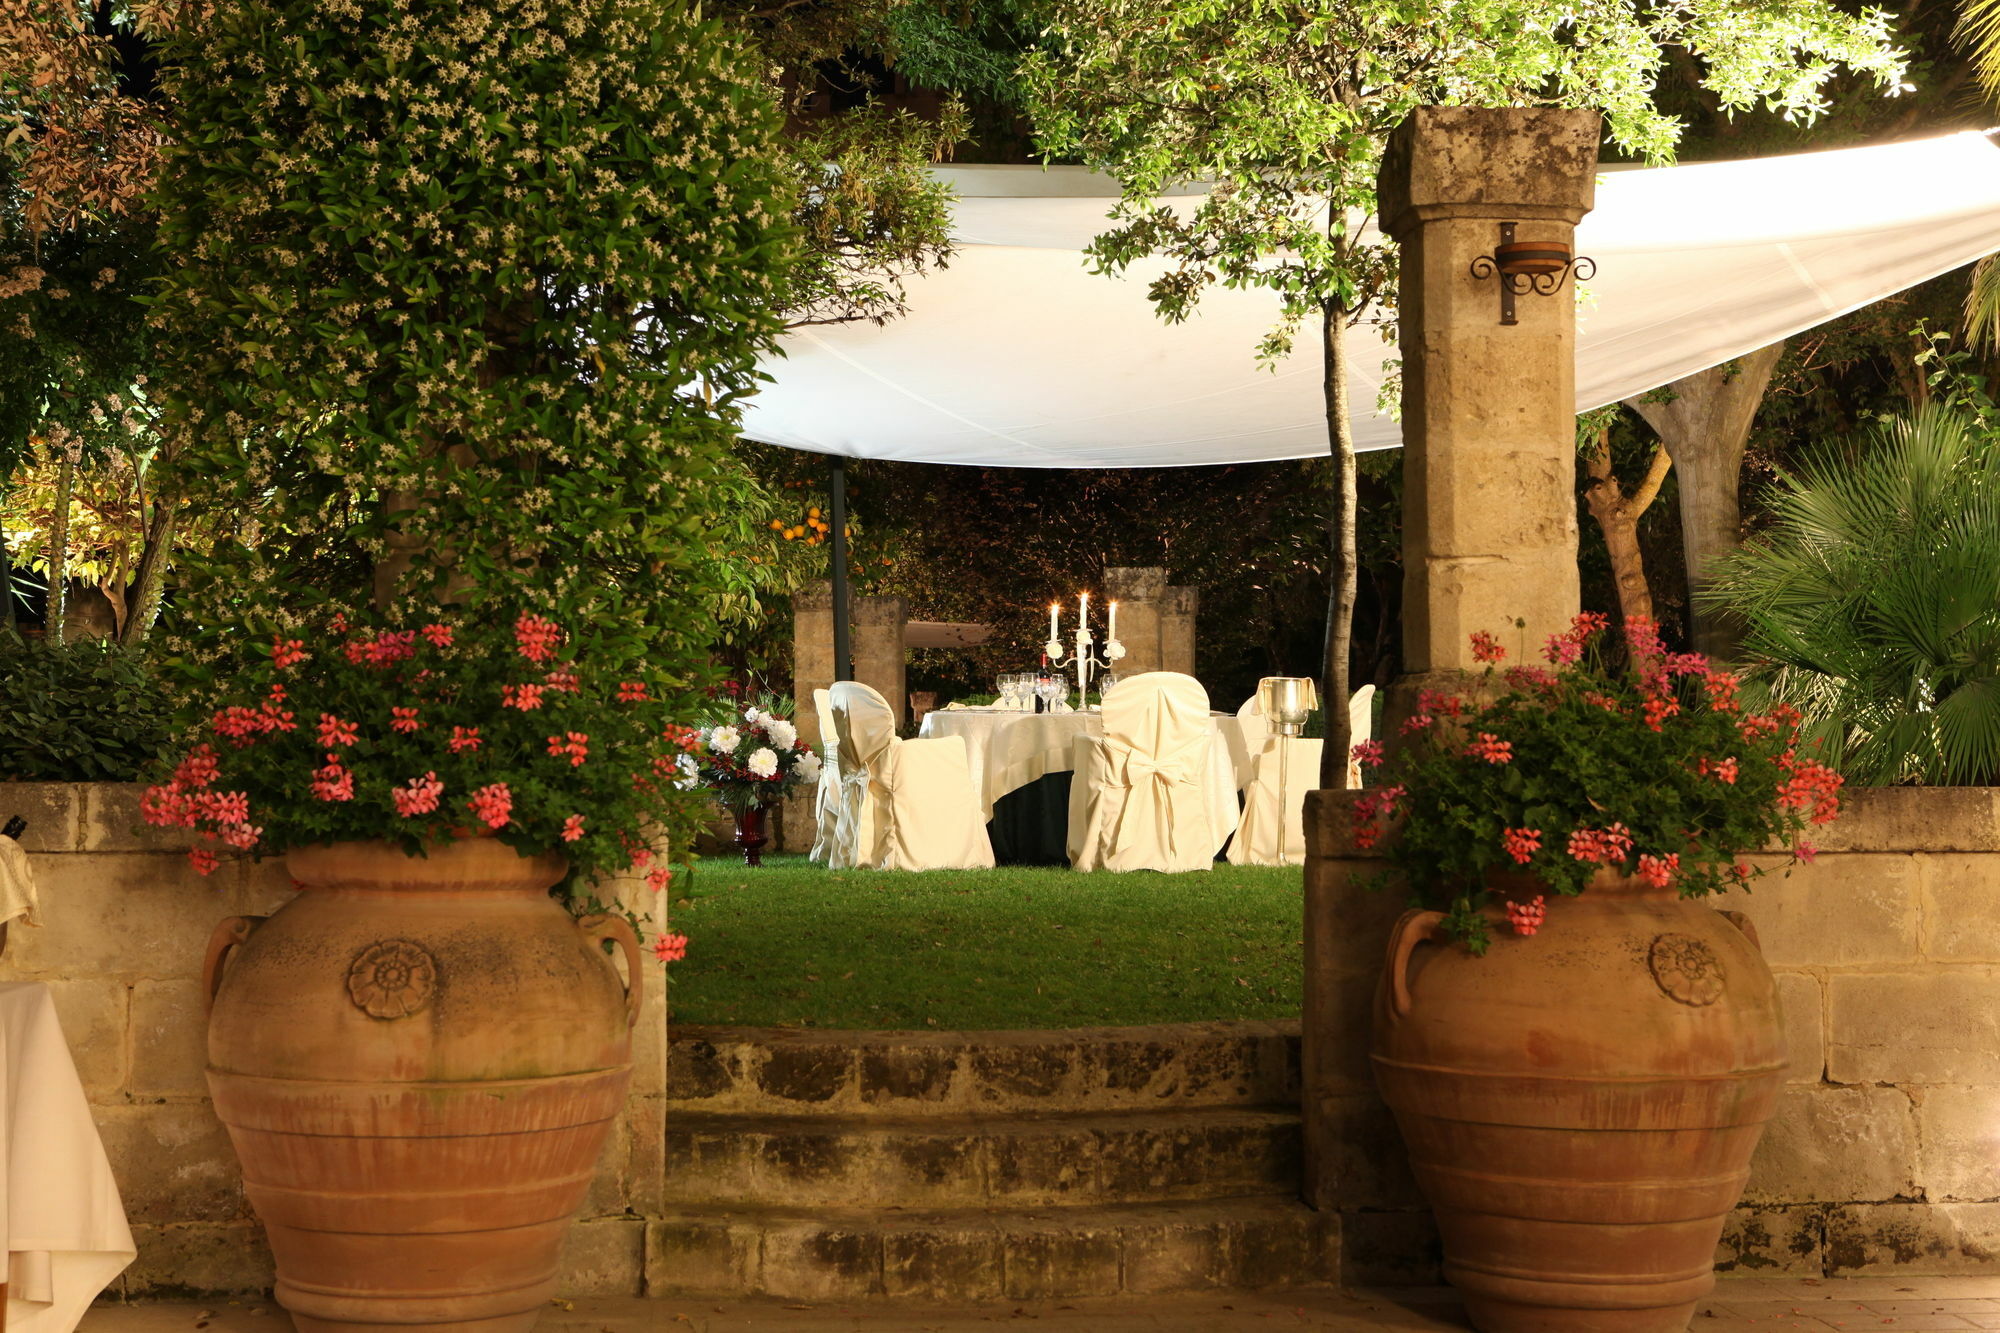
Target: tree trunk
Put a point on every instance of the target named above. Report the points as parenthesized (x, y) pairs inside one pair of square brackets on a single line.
[(150, 580), (1341, 556), (6, 574), (1705, 427), (58, 604), (1618, 514)]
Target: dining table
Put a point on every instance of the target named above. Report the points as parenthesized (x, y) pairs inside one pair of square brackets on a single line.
[(63, 1233), (1023, 763)]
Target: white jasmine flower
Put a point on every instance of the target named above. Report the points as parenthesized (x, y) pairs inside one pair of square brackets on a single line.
[(764, 763), (782, 733), (724, 740)]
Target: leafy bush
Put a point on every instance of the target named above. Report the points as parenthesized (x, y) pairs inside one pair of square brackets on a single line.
[(459, 308), (90, 711), (1656, 772), (1872, 602)]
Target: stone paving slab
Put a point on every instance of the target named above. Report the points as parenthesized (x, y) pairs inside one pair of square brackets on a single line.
[(1740, 1305)]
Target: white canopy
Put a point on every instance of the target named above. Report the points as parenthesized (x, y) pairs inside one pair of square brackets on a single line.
[(1018, 356)]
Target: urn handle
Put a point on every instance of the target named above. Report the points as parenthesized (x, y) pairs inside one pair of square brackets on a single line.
[(611, 926), (1412, 928), (1747, 926), (230, 932)]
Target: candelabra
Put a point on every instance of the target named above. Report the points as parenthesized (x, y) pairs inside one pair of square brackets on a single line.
[(1084, 658)]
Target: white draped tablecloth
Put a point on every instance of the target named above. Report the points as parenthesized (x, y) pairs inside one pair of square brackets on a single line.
[(62, 1226), (1008, 751)]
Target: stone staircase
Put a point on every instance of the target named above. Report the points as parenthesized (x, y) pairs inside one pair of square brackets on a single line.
[(982, 1166)]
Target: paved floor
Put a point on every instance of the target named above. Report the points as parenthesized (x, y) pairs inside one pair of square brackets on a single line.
[(1740, 1305)]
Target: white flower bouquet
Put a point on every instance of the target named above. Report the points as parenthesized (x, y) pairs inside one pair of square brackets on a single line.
[(753, 759)]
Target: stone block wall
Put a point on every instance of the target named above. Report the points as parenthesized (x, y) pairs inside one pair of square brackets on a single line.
[(125, 921), (1884, 1155)]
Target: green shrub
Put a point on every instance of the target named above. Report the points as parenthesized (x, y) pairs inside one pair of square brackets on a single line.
[(88, 712), (1872, 602)]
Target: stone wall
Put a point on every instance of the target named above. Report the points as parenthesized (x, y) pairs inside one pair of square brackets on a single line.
[(124, 923), (1884, 1156)]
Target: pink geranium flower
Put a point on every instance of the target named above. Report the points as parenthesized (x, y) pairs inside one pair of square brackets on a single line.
[(288, 652), (404, 720), (572, 828), (1486, 648), (1491, 748), (1368, 752), (333, 731), (537, 637), (670, 948), (493, 803), (1521, 843), (418, 797), (463, 739)]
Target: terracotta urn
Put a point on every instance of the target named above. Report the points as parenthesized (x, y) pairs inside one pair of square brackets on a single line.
[(1580, 1104), (418, 1059)]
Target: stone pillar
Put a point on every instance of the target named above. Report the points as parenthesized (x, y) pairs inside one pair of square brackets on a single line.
[(1177, 613), (812, 655), (1489, 543), (1140, 594), (879, 656), (1489, 410)]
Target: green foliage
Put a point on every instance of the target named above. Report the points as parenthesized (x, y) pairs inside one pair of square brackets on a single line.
[(86, 712), (870, 212), (794, 944), (1286, 107), (1872, 601), (460, 309), (1657, 772)]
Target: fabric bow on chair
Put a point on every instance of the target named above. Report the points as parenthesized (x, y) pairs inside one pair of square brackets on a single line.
[(826, 796), (1138, 800), (903, 805)]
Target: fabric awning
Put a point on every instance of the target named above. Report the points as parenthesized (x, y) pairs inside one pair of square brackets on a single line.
[(1018, 356)]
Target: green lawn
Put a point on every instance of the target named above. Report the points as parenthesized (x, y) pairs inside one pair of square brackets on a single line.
[(793, 944)]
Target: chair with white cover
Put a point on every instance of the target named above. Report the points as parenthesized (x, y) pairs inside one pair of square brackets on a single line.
[(1139, 798), (1272, 831), (826, 798), (902, 805)]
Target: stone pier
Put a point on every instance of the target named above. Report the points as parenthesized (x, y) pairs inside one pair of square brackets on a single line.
[(1489, 409), (1155, 620), (1489, 543)]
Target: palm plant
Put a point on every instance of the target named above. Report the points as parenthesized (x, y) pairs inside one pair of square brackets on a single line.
[(1872, 602)]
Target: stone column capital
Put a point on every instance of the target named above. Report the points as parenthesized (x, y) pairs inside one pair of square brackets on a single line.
[(1510, 164)]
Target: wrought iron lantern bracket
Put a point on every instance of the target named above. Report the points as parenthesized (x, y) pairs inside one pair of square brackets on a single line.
[(1524, 268)]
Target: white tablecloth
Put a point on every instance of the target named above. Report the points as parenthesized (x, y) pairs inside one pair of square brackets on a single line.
[(62, 1227), (1008, 751)]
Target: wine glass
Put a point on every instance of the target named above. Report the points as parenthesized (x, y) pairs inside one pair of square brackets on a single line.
[(1054, 692)]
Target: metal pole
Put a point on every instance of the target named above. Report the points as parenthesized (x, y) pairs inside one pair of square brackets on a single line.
[(843, 645)]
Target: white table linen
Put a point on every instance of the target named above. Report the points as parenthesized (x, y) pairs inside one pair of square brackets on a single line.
[(1008, 751), (62, 1225)]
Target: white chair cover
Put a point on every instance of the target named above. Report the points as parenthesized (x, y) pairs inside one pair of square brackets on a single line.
[(826, 799), (902, 805), (1138, 801), (1272, 831)]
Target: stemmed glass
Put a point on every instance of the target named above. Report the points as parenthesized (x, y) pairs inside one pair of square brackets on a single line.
[(1054, 691)]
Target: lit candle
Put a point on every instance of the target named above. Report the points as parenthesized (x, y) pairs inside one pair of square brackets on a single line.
[(1111, 629), (1055, 610), (1082, 612)]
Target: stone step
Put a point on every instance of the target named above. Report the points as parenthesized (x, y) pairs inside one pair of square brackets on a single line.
[(981, 1255), (1015, 1161), (763, 1071)]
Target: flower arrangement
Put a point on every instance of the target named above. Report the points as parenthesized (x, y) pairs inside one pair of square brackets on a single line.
[(750, 762), (1558, 772), (421, 735)]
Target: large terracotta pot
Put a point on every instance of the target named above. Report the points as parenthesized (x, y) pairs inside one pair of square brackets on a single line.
[(418, 1060), (1580, 1105)]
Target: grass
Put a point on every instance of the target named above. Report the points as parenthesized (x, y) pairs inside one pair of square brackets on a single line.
[(793, 944)]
